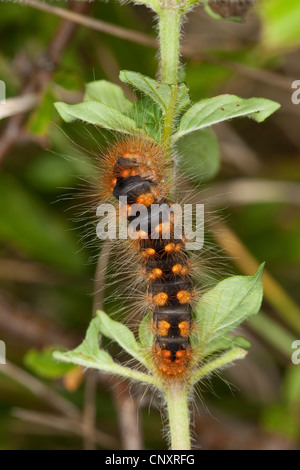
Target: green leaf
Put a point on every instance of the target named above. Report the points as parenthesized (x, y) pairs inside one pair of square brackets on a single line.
[(119, 333), (109, 94), (97, 113), (88, 354), (145, 332), (226, 306), (221, 108), (42, 364), (160, 93), (183, 98), (200, 155), (148, 117)]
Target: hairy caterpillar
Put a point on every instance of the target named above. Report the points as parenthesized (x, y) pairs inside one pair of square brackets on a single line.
[(135, 169)]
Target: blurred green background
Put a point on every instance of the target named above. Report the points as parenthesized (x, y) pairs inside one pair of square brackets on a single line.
[(48, 257)]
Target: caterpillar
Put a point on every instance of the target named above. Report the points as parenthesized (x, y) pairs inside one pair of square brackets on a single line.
[(135, 169)]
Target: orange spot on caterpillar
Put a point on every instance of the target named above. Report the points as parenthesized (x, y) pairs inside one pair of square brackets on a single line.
[(177, 268), (177, 247), (125, 173), (170, 247), (167, 353), (162, 330), (180, 353), (114, 181), (184, 328), (145, 199), (148, 252), (155, 273), (183, 296), (160, 298)]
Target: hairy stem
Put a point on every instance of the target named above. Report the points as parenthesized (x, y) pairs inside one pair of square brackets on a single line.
[(176, 395), (169, 39), (170, 18)]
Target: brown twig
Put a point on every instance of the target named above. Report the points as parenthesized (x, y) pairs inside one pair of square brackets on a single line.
[(98, 25), (128, 416), (89, 410), (242, 191), (39, 389), (63, 424), (91, 378), (99, 282), (30, 328), (40, 76), (20, 104)]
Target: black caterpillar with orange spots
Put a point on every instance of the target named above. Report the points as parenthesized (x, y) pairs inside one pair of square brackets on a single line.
[(137, 171)]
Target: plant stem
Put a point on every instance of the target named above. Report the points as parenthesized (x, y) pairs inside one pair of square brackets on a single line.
[(176, 395), (170, 17), (169, 39)]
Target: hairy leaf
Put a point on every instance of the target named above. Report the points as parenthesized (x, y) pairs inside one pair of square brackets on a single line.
[(119, 333), (221, 108), (108, 93), (97, 113), (160, 93)]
